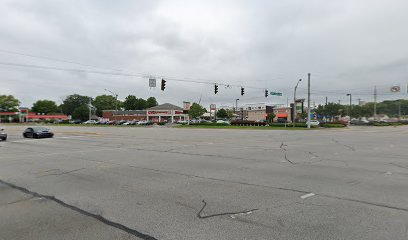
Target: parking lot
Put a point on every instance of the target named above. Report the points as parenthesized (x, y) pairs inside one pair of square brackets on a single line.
[(168, 183)]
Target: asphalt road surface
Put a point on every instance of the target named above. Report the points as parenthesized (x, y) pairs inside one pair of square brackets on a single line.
[(166, 183)]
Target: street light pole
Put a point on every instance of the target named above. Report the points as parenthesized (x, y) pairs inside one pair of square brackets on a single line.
[(236, 105), (349, 94), (308, 100), (294, 103)]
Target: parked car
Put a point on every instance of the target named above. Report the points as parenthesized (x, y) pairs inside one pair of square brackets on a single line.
[(223, 122), (282, 120), (3, 134), (130, 123), (143, 122), (359, 122), (314, 123), (75, 121), (38, 132), (90, 122)]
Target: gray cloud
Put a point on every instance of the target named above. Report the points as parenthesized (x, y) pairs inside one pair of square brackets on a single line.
[(348, 46)]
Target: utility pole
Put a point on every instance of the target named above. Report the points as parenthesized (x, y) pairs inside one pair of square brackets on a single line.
[(287, 101), (359, 101), (90, 109), (375, 102), (326, 100), (308, 100), (116, 98), (349, 94), (294, 104), (339, 101), (236, 104)]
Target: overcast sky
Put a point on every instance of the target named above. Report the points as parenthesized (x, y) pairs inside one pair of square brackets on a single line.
[(347, 46)]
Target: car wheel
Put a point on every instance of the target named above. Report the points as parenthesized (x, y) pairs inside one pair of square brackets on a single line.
[(24, 135), (36, 136)]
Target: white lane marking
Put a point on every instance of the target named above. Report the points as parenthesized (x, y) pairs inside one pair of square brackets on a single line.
[(307, 195)]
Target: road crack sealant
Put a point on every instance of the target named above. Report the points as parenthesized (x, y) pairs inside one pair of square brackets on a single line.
[(81, 211), (199, 214)]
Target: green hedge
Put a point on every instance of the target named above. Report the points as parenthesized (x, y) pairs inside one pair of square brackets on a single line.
[(209, 124), (387, 124), (332, 125)]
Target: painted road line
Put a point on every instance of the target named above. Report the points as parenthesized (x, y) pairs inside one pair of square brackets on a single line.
[(307, 195)]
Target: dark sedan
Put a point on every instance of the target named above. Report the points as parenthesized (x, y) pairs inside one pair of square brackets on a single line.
[(38, 132), (3, 135)]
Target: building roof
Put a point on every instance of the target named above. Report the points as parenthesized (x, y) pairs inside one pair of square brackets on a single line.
[(166, 106)]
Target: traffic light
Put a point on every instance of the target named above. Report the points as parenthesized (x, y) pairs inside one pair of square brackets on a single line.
[(215, 89), (266, 93), (163, 84), (242, 91)]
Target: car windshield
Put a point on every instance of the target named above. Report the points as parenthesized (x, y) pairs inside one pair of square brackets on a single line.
[(40, 129)]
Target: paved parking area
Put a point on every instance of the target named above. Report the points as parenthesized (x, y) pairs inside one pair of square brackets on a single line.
[(166, 183)]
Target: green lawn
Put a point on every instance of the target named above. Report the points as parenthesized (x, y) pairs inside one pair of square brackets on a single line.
[(241, 127)]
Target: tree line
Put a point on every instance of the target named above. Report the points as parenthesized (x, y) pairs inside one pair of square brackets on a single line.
[(77, 105), (391, 108)]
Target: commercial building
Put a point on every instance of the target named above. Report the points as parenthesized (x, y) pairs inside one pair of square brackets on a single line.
[(283, 114), (255, 112), (166, 113), (23, 115), (162, 113), (128, 115)]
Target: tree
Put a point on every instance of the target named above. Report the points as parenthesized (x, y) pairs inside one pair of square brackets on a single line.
[(45, 107), (151, 102), (140, 104), (130, 102), (222, 113), (270, 117), (8, 103), (81, 112), (230, 113), (196, 110), (104, 102), (72, 102)]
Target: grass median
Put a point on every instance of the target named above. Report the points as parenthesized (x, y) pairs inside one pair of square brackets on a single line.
[(242, 127)]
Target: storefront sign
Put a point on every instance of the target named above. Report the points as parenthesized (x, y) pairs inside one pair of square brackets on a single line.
[(159, 113)]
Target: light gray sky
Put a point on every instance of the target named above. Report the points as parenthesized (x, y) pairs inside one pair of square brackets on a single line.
[(348, 46)]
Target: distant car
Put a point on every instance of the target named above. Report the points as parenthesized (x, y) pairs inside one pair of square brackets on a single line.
[(75, 121), (359, 122), (143, 122), (90, 122), (223, 122), (38, 132), (314, 123), (3, 135)]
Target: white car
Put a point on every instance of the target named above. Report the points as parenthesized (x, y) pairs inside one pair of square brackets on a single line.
[(90, 122), (314, 123), (223, 122)]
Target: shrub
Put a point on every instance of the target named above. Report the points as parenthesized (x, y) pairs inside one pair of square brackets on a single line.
[(332, 125)]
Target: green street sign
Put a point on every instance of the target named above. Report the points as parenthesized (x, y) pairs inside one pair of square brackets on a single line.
[(276, 94)]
